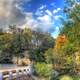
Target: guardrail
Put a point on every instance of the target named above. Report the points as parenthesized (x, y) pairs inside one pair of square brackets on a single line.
[(11, 74)]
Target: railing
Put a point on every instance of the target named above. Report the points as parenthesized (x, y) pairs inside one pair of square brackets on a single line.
[(14, 73)]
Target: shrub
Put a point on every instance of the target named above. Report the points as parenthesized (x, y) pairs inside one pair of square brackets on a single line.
[(66, 78), (49, 56), (43, 70), (76, 78)]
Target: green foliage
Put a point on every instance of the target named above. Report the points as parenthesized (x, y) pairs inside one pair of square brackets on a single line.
[(37, 55), (39, 49), (69, 49), (65, 77), (71, 29), (72, 24), (49, 56), (5, 40), (69, 60), (18, 40), (44, 70), (76, 78)]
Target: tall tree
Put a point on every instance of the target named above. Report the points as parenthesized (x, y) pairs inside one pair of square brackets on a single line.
[(71, 29)]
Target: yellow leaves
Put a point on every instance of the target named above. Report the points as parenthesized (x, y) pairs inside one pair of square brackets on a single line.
[(69, 59), (27, 32), (65, 77), (77, 58), (60, 41), (5, 40), (6, 36)]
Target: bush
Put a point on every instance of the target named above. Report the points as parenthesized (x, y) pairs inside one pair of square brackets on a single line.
[(49, 56), (43, 70), (38, 56), (66, 78), (76, 78)]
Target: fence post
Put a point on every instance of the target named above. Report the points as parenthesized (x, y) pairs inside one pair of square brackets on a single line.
[(1, 76), (29, 70), (23, 72), (10, 75), (17, 74)]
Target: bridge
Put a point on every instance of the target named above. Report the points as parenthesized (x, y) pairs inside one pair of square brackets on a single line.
[(16, 73)]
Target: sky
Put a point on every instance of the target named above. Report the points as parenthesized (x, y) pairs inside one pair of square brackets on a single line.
[(41, 15)]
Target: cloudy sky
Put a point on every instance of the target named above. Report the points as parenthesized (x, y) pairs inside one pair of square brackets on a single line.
[(35, 14)]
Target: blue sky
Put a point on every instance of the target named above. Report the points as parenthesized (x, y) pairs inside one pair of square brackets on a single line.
[(35, 14), (42, 10)]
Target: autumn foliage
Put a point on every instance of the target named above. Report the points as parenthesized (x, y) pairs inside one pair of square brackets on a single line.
[(60, 41)]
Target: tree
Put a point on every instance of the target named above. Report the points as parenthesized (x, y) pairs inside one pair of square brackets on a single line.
[(41, 43), (27, 35), (72, 24), (71, 29)]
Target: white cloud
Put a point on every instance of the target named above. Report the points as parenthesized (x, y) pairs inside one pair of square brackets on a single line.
[(56, 17), (11, 13), (78, 3), (56, 10), (57, 28), (48, 12), (39, 12), (44, 23), (45, 18)]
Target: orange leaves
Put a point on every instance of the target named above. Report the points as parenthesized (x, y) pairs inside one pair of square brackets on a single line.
[(61, 38), (60, 41)]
